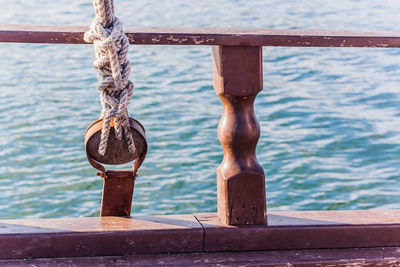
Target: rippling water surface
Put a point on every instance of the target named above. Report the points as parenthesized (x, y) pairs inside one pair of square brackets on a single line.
[(330, 117)]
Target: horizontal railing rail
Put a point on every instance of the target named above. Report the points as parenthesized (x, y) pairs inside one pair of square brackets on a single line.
[(207, 36)]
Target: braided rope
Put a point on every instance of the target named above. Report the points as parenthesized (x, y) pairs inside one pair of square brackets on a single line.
[(116, 90)]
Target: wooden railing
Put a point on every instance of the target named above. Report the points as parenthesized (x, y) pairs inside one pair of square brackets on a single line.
[(237, 75), (206, 36), (334, 238)]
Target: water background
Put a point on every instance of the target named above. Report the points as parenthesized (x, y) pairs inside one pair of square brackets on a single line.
[(330, 117)]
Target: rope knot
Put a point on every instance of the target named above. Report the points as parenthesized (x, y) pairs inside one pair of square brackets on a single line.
[(111, 48)]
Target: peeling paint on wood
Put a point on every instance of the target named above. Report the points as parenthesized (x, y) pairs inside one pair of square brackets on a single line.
[(207, 36)]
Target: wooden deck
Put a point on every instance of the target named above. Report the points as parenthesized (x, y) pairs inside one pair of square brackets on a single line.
[(365, 257), (303, 238)]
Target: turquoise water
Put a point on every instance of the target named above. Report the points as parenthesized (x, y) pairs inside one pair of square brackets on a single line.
[(330, 118)]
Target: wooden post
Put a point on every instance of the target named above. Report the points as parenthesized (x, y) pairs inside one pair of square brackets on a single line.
[(237, 74), (117, 193)]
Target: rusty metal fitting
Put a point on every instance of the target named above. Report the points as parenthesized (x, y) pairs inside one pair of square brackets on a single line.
[(117, 150)]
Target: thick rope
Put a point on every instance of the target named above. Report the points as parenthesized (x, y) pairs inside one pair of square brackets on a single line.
[(111, 48)]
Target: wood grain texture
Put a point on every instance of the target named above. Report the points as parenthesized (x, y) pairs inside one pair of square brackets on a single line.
[(237, 74), (365, 257), (105, 236), (206, 36), (117, 194), (116, 236), (304, 230)]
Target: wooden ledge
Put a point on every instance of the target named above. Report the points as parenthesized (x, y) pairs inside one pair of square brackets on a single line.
[(113, 236), (305, 230), (107, 236), (206, 36), (366, 257)]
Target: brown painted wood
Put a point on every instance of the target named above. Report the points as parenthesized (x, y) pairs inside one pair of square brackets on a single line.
[(366, 257), (237, 74), (342, 217), (207, 36), (305, 230), (117, 193), (237, 70), (115, 236), (42, 34), (102, 236)]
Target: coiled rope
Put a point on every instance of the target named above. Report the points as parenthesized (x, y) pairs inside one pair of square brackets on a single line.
[(111, 48)]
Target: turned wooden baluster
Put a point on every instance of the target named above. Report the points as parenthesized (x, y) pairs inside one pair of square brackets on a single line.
[(237, 74)]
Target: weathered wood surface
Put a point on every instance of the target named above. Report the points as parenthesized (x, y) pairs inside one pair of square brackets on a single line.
[(366, 257), (237, 75), (305, 230), (207, 36), (116, 236), (106, 236), (117, 194)]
